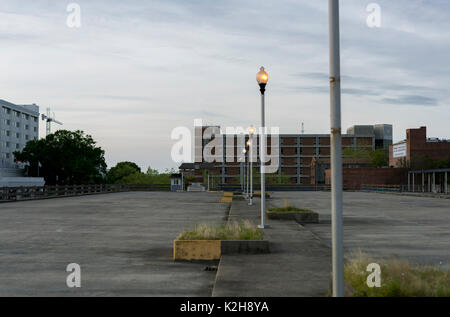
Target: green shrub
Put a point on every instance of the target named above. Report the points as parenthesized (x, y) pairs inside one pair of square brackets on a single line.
[(244, 230)]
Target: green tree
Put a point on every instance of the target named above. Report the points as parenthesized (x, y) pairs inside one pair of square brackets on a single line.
[(128, 174), (64, 157), (121, 170), (379, 158), (355, 153)]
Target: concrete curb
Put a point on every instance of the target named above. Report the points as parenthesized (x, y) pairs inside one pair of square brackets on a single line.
[(301, 218), (245, 247)]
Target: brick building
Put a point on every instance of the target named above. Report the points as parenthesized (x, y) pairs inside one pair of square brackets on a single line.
[(354, 178), (417, 145), (296, 151)]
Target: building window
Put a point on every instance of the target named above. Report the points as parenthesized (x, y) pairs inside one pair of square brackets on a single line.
[(17, 113), (8, 133), (26, 137), (7, 144), (35, 129), (35, 119), (18, 124), (27, 127), (18, 135), (17, 145)]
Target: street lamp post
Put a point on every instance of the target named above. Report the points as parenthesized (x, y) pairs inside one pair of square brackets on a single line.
[(247, 194), (262, 78), (336, 151), (244, 151), (251, 131)]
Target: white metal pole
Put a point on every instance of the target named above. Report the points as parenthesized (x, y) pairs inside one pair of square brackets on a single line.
[(243, 175), (248, 176), (336, 151), (251, 171), (262, 155), (445, 183), (423, 182)]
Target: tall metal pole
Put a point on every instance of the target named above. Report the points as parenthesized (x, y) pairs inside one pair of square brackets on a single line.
[(262, 155), (248, 176), (243, 175), (251, 171), (336, 151)]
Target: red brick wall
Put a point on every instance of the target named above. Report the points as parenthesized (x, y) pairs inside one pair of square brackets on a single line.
[(353, 178), (417, 146)]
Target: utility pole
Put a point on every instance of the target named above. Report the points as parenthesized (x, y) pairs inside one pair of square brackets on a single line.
[(336, 151)]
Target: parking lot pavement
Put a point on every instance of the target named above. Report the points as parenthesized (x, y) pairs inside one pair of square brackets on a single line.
[(383, 225), (298, 264), (122, 241)]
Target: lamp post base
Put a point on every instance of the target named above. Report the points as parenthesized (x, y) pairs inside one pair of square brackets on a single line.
[(263, 226)]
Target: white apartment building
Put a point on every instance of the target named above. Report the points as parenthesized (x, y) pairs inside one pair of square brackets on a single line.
[(18, 125)]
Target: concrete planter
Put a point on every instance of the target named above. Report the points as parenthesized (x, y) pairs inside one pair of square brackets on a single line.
[(301, 218), (207, 250)]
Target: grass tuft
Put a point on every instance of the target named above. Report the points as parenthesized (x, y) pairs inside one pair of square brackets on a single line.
[(398, 279), (244, 230)]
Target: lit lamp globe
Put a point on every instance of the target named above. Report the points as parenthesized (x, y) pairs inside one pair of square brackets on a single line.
[(262, 78), (251, 130)]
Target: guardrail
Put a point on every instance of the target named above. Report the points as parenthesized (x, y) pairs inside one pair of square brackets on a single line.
[(44, 192), (382, 188), (305, 187)]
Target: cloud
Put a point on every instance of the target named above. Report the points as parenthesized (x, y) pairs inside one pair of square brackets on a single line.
[(411, 100), (138, 64)]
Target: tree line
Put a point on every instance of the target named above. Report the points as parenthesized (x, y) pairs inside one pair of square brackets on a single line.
[(73, 157)]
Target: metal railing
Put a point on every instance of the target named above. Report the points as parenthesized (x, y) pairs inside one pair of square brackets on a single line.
[(270, 187), (44, 192), (381, 188)]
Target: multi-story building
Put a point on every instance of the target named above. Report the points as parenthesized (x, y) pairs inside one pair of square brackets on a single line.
[(18, 125), (417, 146), (296, 152)]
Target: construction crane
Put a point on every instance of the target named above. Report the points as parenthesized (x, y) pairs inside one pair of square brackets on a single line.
[(49, 118)]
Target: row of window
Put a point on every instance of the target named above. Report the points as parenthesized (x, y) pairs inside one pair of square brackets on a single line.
[(18, 125), (17, 135), (18, 114), (8, 144), (5, 155)]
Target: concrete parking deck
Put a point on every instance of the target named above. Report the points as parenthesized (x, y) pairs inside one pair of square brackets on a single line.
[(123, 243), (383, 225), (298, 265)]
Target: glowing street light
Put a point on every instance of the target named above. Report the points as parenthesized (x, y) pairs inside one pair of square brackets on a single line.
[(262, 78)]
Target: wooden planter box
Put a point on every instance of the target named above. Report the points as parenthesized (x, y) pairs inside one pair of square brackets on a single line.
[(207, 250), (300, 217)]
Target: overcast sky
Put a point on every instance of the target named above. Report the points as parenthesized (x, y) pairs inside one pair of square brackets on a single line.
[(137, 69)]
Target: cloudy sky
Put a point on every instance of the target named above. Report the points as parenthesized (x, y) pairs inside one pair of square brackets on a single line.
[(135, 70)]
